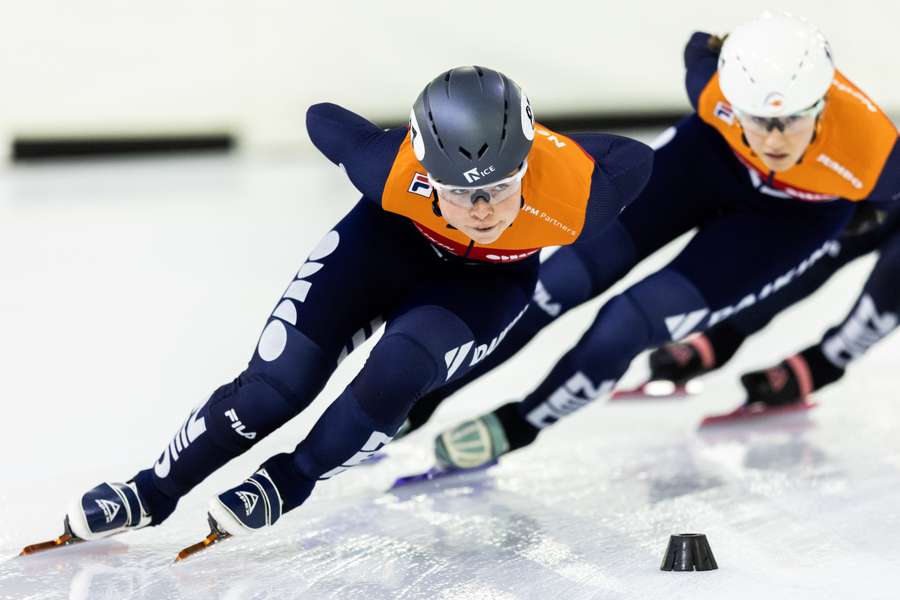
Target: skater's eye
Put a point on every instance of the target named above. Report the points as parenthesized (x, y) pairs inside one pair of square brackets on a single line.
[(500, 187)]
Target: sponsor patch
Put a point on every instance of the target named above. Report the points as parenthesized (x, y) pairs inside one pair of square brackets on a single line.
[(420, 185), (724, 112)]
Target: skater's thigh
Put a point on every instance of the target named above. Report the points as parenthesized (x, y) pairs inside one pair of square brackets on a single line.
[(746, 256), (351, 278), (462, 314)]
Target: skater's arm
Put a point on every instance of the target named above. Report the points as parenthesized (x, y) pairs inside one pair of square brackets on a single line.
[(623, 169), (701, 58), (365, 151), (888, 187)]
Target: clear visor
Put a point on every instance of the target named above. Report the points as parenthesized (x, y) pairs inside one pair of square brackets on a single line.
[(786, 125), (494, 193)]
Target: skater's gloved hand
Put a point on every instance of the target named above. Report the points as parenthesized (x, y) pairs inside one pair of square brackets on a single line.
[(866, 218)]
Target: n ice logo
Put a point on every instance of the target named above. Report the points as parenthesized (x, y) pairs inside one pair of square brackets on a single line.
[(473, 175), (110, 509), (249, 499), (420, 185)]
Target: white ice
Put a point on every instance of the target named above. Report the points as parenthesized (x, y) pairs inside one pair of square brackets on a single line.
[(131, 289)]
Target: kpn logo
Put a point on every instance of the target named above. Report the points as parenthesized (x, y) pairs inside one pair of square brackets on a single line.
[(473, 175)]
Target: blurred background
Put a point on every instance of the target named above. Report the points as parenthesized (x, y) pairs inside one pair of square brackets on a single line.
[(220, 74)]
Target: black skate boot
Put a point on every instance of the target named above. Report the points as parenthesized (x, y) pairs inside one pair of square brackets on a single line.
[(679, 362), (792, 380)]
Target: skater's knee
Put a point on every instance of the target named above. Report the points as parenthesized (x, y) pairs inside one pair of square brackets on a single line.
[(242, 412), (399, 371)]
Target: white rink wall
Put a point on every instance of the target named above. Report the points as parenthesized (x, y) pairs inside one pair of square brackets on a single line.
[(101, 67)]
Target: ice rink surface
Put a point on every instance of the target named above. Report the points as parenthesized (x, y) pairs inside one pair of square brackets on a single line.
[(132, 289)]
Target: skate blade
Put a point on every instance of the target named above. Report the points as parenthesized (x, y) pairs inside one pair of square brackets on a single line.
[(435, 473), (65, 539), (213, 538), (755, 412), (660, 390)]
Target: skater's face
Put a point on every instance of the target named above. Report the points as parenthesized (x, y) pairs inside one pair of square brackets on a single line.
[(482, 221), (781, 142)]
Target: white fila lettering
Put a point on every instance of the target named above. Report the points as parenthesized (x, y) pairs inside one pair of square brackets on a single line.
[(841, 170), (575, 393), (376, 442), (543, 299), (238, 426), (249, 500), (551, 138), (110, 509), (865, 327), (193, 428)]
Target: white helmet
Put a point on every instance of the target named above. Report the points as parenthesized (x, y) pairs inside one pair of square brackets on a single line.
[(775, 65)]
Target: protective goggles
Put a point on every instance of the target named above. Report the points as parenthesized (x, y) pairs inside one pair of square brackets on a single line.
[(494, 193), (786, 125)]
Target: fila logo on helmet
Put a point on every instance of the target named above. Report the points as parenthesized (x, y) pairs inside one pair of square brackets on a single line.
[(473, 174)]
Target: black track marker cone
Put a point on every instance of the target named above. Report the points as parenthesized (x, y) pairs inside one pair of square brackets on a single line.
[(688, 552)]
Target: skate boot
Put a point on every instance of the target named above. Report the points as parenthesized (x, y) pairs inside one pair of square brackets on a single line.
[(679, 362), (252, 505), (106, 510), (481, 441), (792, 380)]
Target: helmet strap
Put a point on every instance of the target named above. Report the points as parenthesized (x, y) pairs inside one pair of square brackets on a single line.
[(434, 204)]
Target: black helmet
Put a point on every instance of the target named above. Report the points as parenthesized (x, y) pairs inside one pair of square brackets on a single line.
[(471, 126)]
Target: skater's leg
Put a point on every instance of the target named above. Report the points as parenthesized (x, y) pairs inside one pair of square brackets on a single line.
[(568, 278), (453, 321), (718, 274), (713, 348), (333, 303), (873, 316)]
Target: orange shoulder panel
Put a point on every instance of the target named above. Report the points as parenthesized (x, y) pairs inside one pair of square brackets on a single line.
[(556, 189), (853, 142)]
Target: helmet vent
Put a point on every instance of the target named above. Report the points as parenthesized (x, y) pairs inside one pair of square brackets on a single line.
[(482, 150), (434, 129), (479, 71), (465, 153), (505, 119)]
